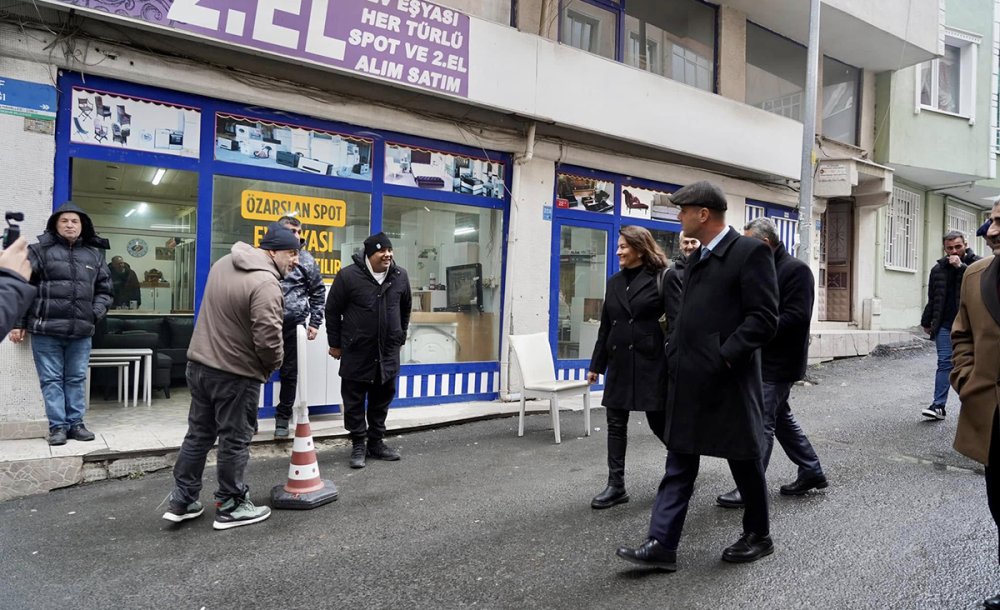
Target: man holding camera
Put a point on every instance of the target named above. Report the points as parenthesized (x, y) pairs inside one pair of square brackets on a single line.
[(74, 293), (15, 291)]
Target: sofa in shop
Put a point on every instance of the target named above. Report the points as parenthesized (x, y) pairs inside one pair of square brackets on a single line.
[(167, 336)]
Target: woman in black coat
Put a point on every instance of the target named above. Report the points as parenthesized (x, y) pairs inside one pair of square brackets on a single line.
[(629, 351)]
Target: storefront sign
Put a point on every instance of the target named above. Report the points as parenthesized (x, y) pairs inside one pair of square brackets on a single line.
[(27, 99), (136, 124), (414, 42), (441, 171), (262, 205)]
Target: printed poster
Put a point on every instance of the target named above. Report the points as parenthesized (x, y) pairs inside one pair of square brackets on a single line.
[(129, 123)]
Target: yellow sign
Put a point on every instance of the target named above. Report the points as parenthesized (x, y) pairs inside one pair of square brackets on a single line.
[(262, 205)]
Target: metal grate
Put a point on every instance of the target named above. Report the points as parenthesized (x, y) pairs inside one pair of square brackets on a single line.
[(902, 218)]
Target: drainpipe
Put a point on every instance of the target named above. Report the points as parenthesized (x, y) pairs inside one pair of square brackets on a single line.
[(520, 159)]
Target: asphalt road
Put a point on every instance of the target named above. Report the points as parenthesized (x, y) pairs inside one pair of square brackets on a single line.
[(475, 517)]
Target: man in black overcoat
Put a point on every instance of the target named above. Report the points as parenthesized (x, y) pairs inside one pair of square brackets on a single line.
[(729, 310), (783, 362)]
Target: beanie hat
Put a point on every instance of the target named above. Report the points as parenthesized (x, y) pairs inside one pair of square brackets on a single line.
[(376, 242), (279, 238)]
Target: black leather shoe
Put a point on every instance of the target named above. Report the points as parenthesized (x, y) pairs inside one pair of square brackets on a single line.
[(381, 451), (57, 437), (992, 603), (79, 432), (609, 497), (750, 547), (651, 554), (732, 499), (358, 455), (802, 485)]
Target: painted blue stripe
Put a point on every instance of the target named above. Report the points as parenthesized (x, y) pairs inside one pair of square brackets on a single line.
[(477, 382), (452, 367), (423, 385), (452, 384), (439, 400)]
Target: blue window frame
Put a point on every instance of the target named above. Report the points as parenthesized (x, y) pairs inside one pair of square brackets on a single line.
[(417, 384), (575, 189)]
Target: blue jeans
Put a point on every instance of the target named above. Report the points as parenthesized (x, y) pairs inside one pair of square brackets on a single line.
[(941, 384), (62, 372)]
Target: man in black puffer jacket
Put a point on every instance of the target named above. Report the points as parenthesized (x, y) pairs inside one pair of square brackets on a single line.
[(367, 314), (942, 306), (74, 293)]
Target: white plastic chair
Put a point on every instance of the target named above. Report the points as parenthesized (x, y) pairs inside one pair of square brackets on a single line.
[(534, 358)]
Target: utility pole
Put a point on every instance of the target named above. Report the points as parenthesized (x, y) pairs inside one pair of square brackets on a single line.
[(804, 251)]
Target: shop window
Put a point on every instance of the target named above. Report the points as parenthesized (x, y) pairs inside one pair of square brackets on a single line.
[(902, 223), (497, 11), (669, 241), (443, 172), (334, 222), (948, 84), (589, 28), (673, 39), (149, 216), (452, 254), (776, 73), (840, 101), (582, 282)]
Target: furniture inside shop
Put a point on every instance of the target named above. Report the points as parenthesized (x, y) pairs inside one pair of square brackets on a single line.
[(167, 335), (538, 374)]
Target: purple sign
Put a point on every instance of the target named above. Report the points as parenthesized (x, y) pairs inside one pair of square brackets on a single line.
[(414, 42)]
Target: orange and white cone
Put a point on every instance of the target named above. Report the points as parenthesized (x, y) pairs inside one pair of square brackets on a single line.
[(304, 489)]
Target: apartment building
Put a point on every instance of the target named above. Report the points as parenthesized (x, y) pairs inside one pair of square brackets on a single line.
[(500, 144)]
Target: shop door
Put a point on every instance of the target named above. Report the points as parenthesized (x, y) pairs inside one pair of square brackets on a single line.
[(835, 262), (580, 274)]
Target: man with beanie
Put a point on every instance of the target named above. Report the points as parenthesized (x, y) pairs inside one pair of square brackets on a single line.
[(235, 347), (367, 314), (74, 292), (304, 295)]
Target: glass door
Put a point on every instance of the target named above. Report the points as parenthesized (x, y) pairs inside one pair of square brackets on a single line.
[(580, 273)]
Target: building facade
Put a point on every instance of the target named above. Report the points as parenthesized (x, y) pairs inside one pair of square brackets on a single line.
[(500, 144)]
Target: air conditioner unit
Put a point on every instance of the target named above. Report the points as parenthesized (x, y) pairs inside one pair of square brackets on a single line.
[(314, 166)]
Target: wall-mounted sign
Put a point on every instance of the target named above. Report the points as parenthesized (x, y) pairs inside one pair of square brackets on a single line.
[(583, 193), (412, 42), (281, 146), (27, 99), (262, 205), (135, 124)]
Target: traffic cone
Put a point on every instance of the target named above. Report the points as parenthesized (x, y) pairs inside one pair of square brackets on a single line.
[(304, 489)]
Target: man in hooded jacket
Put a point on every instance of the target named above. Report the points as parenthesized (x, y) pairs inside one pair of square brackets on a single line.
[(74, 292), (367, 315)]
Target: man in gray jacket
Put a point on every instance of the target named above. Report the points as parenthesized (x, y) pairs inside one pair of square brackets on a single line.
[(235, 347), (305, 294)]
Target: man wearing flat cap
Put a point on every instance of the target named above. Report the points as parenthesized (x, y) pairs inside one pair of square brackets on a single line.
[(367, 314), (236, 346), (728, 312)]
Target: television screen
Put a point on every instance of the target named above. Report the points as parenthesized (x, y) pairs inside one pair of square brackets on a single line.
[(465, 287)]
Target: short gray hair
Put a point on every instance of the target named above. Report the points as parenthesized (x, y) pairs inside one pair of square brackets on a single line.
[(289, 220), (950, 235), (763, 228)]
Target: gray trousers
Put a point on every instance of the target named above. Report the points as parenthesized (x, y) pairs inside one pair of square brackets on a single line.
[(223, 406)]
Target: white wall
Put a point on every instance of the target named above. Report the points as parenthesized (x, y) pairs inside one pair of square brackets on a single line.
[(26, 181)]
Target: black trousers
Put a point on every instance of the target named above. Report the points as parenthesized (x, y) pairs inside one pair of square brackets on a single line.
[(223, 406), (993, 476), (289, 372), (356, 416), (618, 440), (672, 499)]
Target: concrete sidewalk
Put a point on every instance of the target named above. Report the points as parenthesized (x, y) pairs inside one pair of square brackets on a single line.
[(146, 443)]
